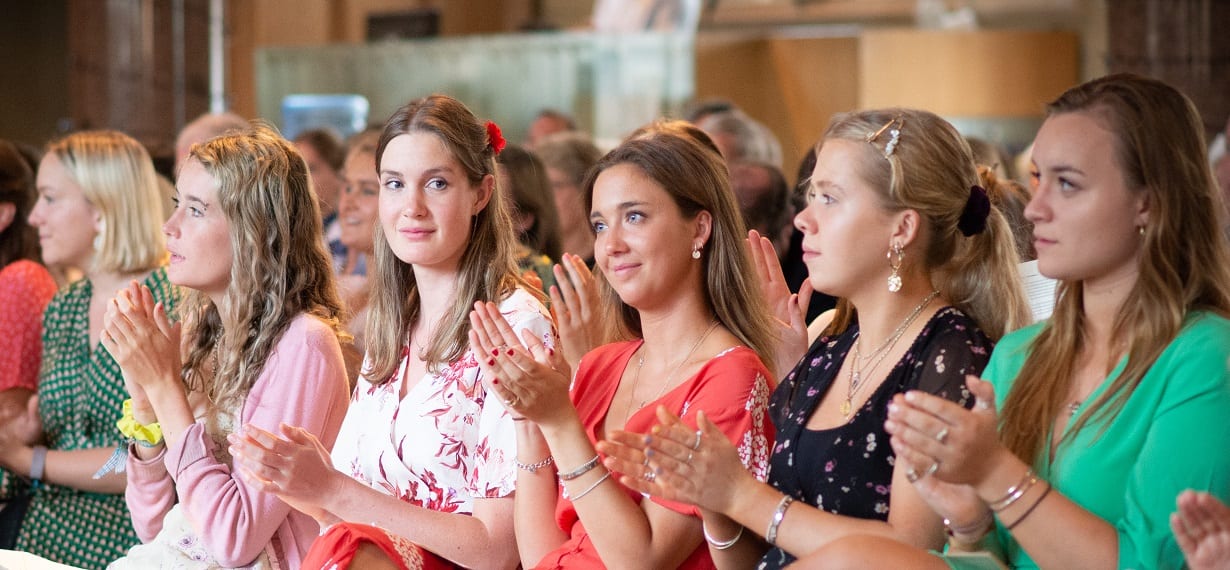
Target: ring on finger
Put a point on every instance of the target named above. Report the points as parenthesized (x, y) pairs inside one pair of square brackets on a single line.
[(696, 446), (912, 475), (932, 469), (942, 436), (650, 475), (689, 459)]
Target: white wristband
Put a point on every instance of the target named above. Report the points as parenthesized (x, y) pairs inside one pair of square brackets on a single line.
[(38, 462)]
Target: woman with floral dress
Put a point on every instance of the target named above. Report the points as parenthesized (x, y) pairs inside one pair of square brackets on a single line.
[(422, 472)]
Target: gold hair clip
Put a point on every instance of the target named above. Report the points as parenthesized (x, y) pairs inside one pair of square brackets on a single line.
[(893, 126)]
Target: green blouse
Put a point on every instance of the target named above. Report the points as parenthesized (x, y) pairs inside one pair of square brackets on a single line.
[(1171, 435), (80, 394)]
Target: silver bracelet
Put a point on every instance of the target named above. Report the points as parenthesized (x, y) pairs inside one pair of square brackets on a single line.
[(770, 535), (533, 467), (579, 471), (1016, 491), (592, 487), (720, 544)]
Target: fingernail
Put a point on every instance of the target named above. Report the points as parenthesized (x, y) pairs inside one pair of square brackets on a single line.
[(910, 396), (510, 352), (648, 440), (496, 381), (490, 362), (495, 352), (550, 352), (893, 408), (648, 452)]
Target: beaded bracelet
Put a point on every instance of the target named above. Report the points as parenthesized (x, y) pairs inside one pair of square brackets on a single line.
[(579, 471), (720, 544), (779, 513), (534, 467)]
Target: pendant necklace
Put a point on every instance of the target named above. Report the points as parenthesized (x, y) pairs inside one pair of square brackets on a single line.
[(858, 373)]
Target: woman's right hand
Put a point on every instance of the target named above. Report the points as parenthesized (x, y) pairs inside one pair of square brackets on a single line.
[(577, 308), (695, 466), (296, 467), (531, 379), (1202, 528), (790, 310), (135, 357)]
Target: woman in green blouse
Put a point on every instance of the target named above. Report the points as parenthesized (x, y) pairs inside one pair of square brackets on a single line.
[(1116, 404), (98, 211)]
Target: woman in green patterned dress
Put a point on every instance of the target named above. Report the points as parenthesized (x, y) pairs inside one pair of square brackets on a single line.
[(99, 211)]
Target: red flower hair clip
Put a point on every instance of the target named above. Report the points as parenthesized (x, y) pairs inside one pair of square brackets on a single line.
[(495, 138)]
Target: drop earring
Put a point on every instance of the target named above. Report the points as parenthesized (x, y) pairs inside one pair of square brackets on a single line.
[(894, 279), (696, 252)]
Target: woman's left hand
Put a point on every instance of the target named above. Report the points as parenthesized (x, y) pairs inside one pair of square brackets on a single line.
[(937, 437), (143, 341), (531, 380), (297, 467), (696, 466)]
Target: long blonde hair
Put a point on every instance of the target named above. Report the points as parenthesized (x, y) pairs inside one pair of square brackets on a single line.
[(1184, 262), (487, 270), (695, 177), (279, 266), (931, 170)]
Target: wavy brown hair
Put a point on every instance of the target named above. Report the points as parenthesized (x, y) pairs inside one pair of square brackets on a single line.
[(1184, 262), (279, 266), (487, 270), (695, 177), (930, 171)]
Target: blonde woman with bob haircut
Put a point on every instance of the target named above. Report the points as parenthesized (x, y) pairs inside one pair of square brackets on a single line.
[(1116, 404), (98, 211), (260, 349), (899, 181), (670, 241), (422, 473)]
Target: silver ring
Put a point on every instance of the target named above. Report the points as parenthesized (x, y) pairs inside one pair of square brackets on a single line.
[(942, 436), (983, 404), (696, 446), (932, 469), (689, 459), (650, 475), (911, 475)]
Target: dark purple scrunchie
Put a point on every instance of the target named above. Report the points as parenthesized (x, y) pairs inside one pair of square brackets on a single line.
[(974, 216)]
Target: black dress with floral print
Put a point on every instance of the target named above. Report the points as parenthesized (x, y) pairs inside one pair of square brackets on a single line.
[(848, 470)]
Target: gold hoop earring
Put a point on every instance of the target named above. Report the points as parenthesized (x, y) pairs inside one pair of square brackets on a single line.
[(894, 279)]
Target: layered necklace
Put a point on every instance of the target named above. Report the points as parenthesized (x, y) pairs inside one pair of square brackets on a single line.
[(640, 363), (859, 371)]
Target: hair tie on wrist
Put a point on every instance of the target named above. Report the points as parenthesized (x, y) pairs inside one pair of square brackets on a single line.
[(974, 216)]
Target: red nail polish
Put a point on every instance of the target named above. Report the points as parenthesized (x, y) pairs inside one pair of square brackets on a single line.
[(495, 381), (490, 362), (510, 352), (495, 352), (550, 352)]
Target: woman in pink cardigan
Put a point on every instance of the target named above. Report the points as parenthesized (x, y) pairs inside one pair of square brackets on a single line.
[(261, 347)]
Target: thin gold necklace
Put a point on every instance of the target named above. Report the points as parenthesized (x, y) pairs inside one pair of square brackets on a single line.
[(640, 363), (857, 375)]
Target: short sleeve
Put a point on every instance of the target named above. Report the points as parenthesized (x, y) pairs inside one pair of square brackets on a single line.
[(25, 290), (495, 473), (957, 348)]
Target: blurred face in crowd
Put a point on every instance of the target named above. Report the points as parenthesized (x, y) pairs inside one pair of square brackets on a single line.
[(67, 222), (359, 207)]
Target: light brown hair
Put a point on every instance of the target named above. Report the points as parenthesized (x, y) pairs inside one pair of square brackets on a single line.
[(1184, 262)]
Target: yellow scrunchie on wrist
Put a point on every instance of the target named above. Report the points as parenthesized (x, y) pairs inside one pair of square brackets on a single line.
[(148, 435)]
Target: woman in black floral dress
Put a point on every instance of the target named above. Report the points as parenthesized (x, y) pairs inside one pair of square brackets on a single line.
[(898, 180)]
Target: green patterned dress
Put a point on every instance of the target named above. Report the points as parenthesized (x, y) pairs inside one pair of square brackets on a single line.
[(80, 394)]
